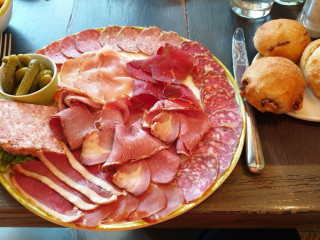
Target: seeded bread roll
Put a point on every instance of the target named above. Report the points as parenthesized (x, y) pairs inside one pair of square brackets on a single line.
[(310, 66), (273, 84), (282, 37)]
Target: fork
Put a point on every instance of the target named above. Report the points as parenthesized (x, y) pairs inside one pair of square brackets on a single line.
[(5, 45)]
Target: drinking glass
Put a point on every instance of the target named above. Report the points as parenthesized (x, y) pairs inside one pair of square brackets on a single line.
[(251, 8)]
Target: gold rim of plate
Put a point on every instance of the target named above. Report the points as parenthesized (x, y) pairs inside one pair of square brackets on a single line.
[(130, 225)]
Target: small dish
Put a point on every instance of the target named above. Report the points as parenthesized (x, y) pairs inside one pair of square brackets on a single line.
[(5, 14), (44, 96)]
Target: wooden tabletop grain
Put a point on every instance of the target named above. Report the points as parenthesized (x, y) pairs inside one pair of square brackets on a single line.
[(286, 194)]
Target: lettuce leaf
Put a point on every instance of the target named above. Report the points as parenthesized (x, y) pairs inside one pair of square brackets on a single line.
[(8, 159)]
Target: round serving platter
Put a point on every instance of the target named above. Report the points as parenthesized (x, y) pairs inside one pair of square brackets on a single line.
[(4, 179)]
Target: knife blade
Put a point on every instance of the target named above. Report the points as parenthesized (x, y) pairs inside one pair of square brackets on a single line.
[(254, 154)]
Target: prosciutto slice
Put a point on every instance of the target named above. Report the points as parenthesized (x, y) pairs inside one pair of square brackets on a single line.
[(174, 198), (134, 177), (101, 75), (172, 64), (150, 202), (30, 131), (125, 140), (39, 171), (45, 198), (67, 122), (163, 166), (124, 207)]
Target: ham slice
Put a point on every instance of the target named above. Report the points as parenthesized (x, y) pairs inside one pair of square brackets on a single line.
[(134, 177), (150, 202), (175, 199), (39, 171), (67, 122), (163, 166), (125, 141), (30, 131), (45, 198)]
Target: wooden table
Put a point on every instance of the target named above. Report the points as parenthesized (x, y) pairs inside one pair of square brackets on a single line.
[(286, 194)]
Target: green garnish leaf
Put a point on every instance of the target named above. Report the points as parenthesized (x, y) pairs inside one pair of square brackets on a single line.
[(8, 159)]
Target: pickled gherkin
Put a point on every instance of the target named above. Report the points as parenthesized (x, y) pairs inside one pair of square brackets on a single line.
[(8, 84), (29, 77)]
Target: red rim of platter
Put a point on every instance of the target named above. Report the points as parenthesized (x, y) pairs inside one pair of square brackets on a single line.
[(235, 154)]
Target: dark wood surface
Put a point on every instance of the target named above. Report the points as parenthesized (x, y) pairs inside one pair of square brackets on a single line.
[(286, 194)]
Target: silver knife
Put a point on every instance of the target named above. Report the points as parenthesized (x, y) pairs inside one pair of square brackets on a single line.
[(254, 154)]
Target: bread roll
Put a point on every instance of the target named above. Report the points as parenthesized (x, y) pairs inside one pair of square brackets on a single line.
[(282, 37), (273, 84), (310, 66)]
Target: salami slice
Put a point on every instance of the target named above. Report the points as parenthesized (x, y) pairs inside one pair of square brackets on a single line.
[(109, 37), (196, 175), (54, 52), (214, 98), (67, 46), (205, 66), (229, 118), (88, 40), (220, 150), (196, 49), (169, 37), (127, 37), (147, 40)]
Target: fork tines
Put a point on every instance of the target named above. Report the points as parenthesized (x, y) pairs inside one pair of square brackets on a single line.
[(5, 45)]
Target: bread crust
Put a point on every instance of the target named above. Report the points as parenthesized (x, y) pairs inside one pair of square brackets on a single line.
[(282, 37), (312, 72), (273, 84)]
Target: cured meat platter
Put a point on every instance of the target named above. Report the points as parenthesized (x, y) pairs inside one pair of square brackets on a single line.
[(145, 126)]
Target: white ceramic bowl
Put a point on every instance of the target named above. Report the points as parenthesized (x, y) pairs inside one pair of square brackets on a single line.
[(44, 96), (5, 14)]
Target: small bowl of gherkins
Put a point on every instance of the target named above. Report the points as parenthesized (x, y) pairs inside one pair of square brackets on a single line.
[(29, 78)]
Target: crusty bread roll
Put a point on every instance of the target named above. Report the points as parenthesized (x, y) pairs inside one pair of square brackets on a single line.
[(282, 37), (273, 84), (310, 66)]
